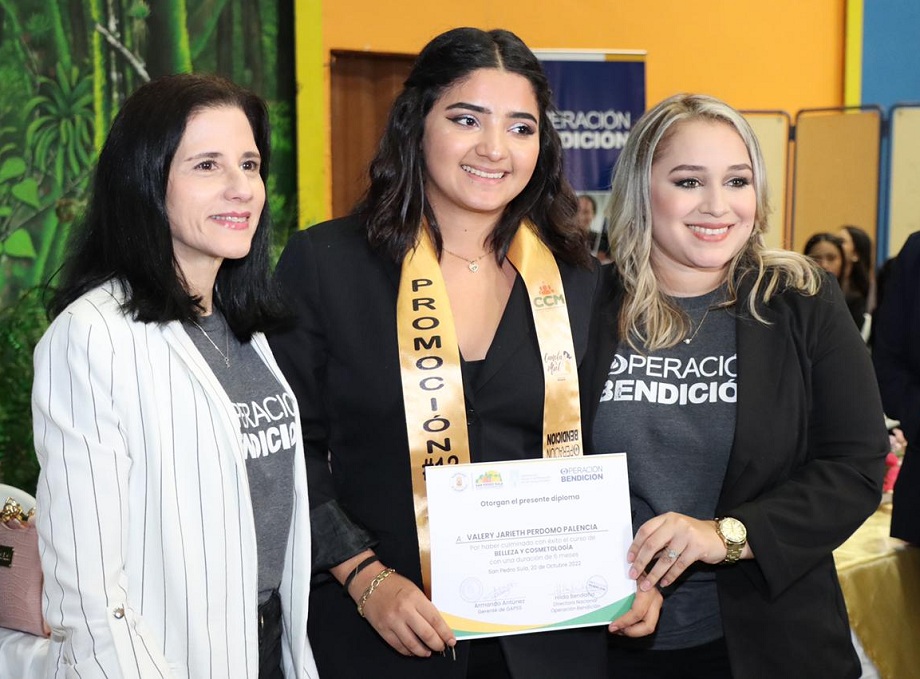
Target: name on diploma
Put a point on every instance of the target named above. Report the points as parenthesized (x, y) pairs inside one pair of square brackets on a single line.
[(530, 546)]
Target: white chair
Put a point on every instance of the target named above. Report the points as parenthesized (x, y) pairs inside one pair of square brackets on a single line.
[(25, 500), (23, 656)]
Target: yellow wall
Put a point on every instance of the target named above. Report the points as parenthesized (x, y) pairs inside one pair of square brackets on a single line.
[(313, 156), (772, 54)]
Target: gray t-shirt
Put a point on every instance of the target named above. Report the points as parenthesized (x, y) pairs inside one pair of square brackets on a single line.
[(673, 413), (269, 434)]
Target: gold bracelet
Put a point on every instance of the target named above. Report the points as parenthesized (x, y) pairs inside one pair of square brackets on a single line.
[(375, 583)]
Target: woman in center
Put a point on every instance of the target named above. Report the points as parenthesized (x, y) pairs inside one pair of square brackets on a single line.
[(467, 219)]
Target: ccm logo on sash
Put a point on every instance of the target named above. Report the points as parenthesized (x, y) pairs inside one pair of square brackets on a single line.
[(548, 298)]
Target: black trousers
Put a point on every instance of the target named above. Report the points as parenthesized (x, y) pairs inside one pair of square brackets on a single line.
[(707, 661), (270, 627)]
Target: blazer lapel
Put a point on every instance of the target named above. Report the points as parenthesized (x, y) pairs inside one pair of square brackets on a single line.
[(392, 270), (604, 339), (186, 351), (759, 373)]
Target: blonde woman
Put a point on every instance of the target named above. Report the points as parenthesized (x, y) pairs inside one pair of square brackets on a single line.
[(735, 380)]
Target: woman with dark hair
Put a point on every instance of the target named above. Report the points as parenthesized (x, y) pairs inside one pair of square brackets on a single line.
[(745, 399), (857, 281), (468, 203), (172, 502), (826, 250)]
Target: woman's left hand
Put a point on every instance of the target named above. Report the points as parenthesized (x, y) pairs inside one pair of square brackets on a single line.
[(642, 617), (677, 541)]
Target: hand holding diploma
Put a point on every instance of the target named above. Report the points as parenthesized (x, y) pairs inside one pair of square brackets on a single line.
[(534, 545), (396, 608), (642, 618)]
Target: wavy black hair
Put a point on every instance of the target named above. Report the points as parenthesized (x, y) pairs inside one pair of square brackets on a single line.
[(125, 235), (395, 203), (860, 278)]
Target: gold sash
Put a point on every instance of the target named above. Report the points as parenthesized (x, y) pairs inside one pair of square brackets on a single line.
[(429, 359)]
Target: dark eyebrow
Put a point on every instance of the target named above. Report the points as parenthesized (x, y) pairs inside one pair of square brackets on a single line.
[(481, 109), (213, 155), (205, 155), (700, 168)]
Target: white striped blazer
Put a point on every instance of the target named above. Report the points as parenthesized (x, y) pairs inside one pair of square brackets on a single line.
[(145, 521)]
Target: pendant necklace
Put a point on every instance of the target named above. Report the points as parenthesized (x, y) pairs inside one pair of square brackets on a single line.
[(471, 264), (702, 320), (225, 356)]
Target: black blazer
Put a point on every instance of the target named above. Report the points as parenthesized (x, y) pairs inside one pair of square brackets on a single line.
[(805, 471), (342, 362), (896, 353)]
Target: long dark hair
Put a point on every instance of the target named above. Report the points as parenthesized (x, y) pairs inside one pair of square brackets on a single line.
[(125, 234), (860, 278), (824, 237), (395, 203)]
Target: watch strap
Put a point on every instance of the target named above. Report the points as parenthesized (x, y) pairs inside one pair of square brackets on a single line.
[(733, 548)]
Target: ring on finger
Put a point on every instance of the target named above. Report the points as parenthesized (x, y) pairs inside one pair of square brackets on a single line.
[(672, 554)]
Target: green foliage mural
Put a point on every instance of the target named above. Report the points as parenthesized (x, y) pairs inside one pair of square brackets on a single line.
[(65, 68)]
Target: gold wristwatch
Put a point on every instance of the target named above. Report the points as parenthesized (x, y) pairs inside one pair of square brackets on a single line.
[(734, 535)]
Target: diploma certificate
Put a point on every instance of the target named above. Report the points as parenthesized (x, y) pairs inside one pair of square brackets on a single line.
[(529, 546)]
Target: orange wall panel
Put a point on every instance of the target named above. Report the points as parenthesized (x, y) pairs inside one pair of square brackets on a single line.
[(782, 54), (777, 54)]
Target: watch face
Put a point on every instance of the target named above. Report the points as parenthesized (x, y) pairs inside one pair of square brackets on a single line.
[(733, 529)]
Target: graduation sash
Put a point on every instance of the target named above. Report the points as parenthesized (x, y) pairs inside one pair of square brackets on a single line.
[(429, 358)]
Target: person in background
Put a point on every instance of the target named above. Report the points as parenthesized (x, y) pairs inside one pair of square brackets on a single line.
[(858, 265), (896, 355), (826, 250), (732, 376), (587, 210), (173, 514), (468, 178), (597, 242)]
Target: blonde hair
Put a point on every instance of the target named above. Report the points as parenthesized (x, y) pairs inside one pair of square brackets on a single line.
[(649, 318)]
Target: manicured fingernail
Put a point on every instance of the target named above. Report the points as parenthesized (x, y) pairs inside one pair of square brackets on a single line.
[(633, 573), (645, 585)]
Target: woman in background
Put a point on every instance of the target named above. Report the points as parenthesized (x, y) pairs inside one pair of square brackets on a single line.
[(858, 282), (734, 379), (467, 192), (826, 250), (172, 501)]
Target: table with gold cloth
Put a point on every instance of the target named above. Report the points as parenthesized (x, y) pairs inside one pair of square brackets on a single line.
[(880, 577)]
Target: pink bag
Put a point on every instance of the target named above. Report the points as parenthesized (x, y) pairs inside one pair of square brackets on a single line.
[(21, 578)]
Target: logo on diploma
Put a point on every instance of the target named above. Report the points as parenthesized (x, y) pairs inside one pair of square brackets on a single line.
[(489, 479)]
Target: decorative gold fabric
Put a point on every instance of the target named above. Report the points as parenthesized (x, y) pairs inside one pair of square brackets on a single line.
[(880, 577)]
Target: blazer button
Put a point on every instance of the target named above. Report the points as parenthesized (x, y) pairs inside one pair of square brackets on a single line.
[(119, 612)]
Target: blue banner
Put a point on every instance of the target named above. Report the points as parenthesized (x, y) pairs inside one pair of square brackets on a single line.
[(598, 99)]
